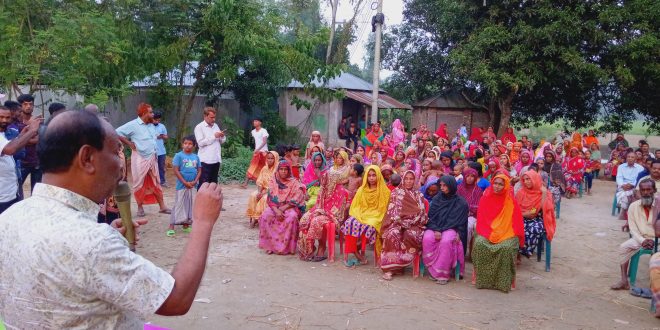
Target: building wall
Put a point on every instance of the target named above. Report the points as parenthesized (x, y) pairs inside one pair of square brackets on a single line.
[(325, 119), (454, 118), (119, 114)]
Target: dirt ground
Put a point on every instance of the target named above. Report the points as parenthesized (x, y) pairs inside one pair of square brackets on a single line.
[(245, 288)]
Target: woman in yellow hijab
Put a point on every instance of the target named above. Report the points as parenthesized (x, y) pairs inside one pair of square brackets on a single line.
[(366, 213)]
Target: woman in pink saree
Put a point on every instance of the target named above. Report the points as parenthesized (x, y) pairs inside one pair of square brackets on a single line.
[(398, 133), (445, 238), (403, 227), (278, 225)]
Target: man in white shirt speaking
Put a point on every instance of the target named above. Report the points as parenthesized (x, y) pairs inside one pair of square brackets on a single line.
[(209, 138)]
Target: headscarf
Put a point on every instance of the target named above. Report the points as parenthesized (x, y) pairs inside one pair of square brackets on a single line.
[(358, 159), (519, 164), (380, 157), (475, 134), (449, 211), (431, 180), (509, 135), (397, 135), (286, 191), (447, 154), (370, 205), (515, 155), (266, 174), (533, 199), (553, 169), (471, 193), (309, 176), (441, 132), (499, 216), (311, 143)]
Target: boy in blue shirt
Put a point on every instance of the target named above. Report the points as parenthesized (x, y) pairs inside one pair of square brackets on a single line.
[(187, 169)]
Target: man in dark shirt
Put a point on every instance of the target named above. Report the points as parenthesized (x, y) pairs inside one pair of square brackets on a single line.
[(29, 164)]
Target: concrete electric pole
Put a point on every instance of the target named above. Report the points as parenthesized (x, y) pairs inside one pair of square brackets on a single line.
[(377, 27)]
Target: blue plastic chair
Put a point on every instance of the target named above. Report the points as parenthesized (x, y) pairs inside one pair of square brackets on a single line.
[(634, 262), (615, 208), (548, 251)]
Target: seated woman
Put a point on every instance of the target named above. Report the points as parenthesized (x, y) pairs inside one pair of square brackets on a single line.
[(573, 167), (311, 178), (500, 232), (257, 200), (445, 238), (329, 207), (538, 211), (278, 225), (471, 192), (403, 227), (366, 213)]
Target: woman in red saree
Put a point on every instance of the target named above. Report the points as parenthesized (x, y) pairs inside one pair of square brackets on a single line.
[(278, 225), (490, 135), (403, 227), (330, 207), (476, 134), (509, 136), (373, 138), (573, 167), (441, 132)]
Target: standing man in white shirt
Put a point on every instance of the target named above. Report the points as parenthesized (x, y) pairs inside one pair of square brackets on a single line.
[(161, 153), (8, 178), (209, 139), (626, 178), (260, 136)]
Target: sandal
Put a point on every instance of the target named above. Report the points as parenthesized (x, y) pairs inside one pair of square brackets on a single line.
[(187, 230), (351, 263), (641, 292), (165, 211), (170, 233), (442, 282), (140, 214), (319, 258)]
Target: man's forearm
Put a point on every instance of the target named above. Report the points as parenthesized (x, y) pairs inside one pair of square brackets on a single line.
[(16, 144)]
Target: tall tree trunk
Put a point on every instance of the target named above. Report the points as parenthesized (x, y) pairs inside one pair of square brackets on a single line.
[(184, 115), (334, 4), (492, 112), (505, 109)]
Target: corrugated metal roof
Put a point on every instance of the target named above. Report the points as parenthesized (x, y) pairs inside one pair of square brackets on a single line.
[(171, 76), (451, 99), (344, 81), (384, 101)]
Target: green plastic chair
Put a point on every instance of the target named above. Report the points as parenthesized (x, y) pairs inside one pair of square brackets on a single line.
[(634, 263), (615, 208), (548, 251)]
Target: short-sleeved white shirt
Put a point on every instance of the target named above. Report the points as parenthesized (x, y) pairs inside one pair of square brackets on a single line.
[(62, 270), (259, 137), (8, 180)]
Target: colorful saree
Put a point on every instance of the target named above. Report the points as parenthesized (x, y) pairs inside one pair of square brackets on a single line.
[(279, 234), (146, 182), (256, 205), (402, 229), (448, 215), (311, 179), (500, 232), (573, 167)]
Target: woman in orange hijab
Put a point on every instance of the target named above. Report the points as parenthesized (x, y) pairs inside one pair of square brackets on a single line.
[(538, 211), (500, 233)]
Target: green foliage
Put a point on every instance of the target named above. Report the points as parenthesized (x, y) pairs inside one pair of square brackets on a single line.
[(233, 169), (279, 132), (536, 61), (235, 141)]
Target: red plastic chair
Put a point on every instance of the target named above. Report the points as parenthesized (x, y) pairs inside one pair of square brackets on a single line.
[(363, 248)]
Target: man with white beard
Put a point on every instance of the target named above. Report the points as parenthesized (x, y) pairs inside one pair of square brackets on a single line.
[(642, 232)]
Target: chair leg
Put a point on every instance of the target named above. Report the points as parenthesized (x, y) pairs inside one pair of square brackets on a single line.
[(422, 267), (416, 266), (539, 249), (457, 271), (548, 254), (341, 243), (330, 241), (632, 269)]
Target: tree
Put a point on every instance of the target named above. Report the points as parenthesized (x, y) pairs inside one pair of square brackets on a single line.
[(73, 46), (527, 60)]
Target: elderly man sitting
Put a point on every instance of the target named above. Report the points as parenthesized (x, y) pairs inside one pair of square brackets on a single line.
[(640, 220), (626, 178)]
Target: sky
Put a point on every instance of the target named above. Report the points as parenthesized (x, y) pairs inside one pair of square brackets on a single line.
[(392, 9)]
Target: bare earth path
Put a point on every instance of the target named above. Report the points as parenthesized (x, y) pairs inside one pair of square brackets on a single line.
[(245, 288)]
